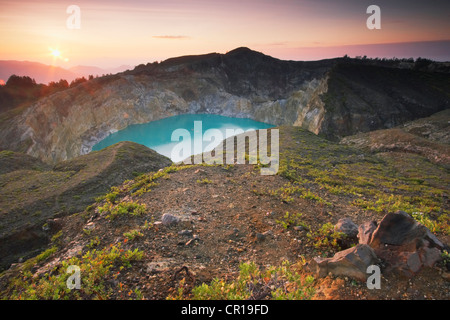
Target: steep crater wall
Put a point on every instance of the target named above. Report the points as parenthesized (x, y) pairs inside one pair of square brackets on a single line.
[(335, 98)]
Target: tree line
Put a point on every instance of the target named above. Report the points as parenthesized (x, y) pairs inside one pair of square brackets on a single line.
[(22, 90)]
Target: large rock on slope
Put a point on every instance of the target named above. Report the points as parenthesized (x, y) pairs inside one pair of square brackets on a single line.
[(398, 241), (352, 262), (404, 244)]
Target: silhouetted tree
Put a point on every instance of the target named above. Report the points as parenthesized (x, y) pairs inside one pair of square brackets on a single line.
[(20, 82), (77, 81)]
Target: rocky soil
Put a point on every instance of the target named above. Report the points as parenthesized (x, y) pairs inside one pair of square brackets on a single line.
[(196, 223)]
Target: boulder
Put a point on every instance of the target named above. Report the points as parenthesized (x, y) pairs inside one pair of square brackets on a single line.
[(352, 262), (399, 241), (404, 244)]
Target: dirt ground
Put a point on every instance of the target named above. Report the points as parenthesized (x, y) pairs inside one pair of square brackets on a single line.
[(221, 222)]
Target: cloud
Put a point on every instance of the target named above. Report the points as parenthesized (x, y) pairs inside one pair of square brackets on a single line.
[(171, 37)]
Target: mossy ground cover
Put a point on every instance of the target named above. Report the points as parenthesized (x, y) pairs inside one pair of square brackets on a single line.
[(377, 183)]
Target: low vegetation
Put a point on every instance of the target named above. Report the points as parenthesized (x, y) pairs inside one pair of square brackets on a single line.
[(278, 283), (95, 265)]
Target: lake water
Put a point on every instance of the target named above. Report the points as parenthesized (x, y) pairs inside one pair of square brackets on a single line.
[(157, 135)]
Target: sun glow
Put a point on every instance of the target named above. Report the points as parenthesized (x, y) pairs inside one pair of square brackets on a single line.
[(55, 53)]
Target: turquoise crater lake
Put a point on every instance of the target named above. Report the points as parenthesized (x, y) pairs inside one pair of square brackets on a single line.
[(157, 135)]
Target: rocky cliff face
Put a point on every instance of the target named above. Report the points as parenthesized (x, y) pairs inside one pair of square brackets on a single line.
[(334, 97)]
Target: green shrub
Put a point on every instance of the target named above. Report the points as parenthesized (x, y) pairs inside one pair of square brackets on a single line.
[(131, 235), (123, 208), (326, 237), (292, 220)]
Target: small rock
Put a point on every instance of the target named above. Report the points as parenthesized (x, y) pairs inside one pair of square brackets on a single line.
[(268, 233), (347, 226), (260, 237), (89, 226), (186, 233), (159, 266), (169, 219)]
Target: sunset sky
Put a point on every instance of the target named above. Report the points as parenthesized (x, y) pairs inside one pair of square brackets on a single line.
[(131, 32)]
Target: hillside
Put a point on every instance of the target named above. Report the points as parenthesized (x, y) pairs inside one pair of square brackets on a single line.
[(32, 193), (42, 73), (169, 234), (334, 98), (428, 137)]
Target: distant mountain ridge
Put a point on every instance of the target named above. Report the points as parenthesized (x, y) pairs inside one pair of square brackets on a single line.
[(334, 98), (43, 73)]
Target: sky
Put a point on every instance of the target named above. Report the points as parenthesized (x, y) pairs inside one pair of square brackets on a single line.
[(114, 33)]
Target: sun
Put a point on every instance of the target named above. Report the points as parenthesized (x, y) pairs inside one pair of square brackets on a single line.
[(55, 53)]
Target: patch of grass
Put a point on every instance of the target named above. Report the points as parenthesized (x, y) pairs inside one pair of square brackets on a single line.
[(327, 172), (440, 225), (122, 208), (278, 283), (326, 237), (95, 267), (309, 195), (143, 183), (445, 255), (56, 236), (93, 243), (30, 263), (112, 196), (6, 154), (204, 181), (133, 234), (289, 220)]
